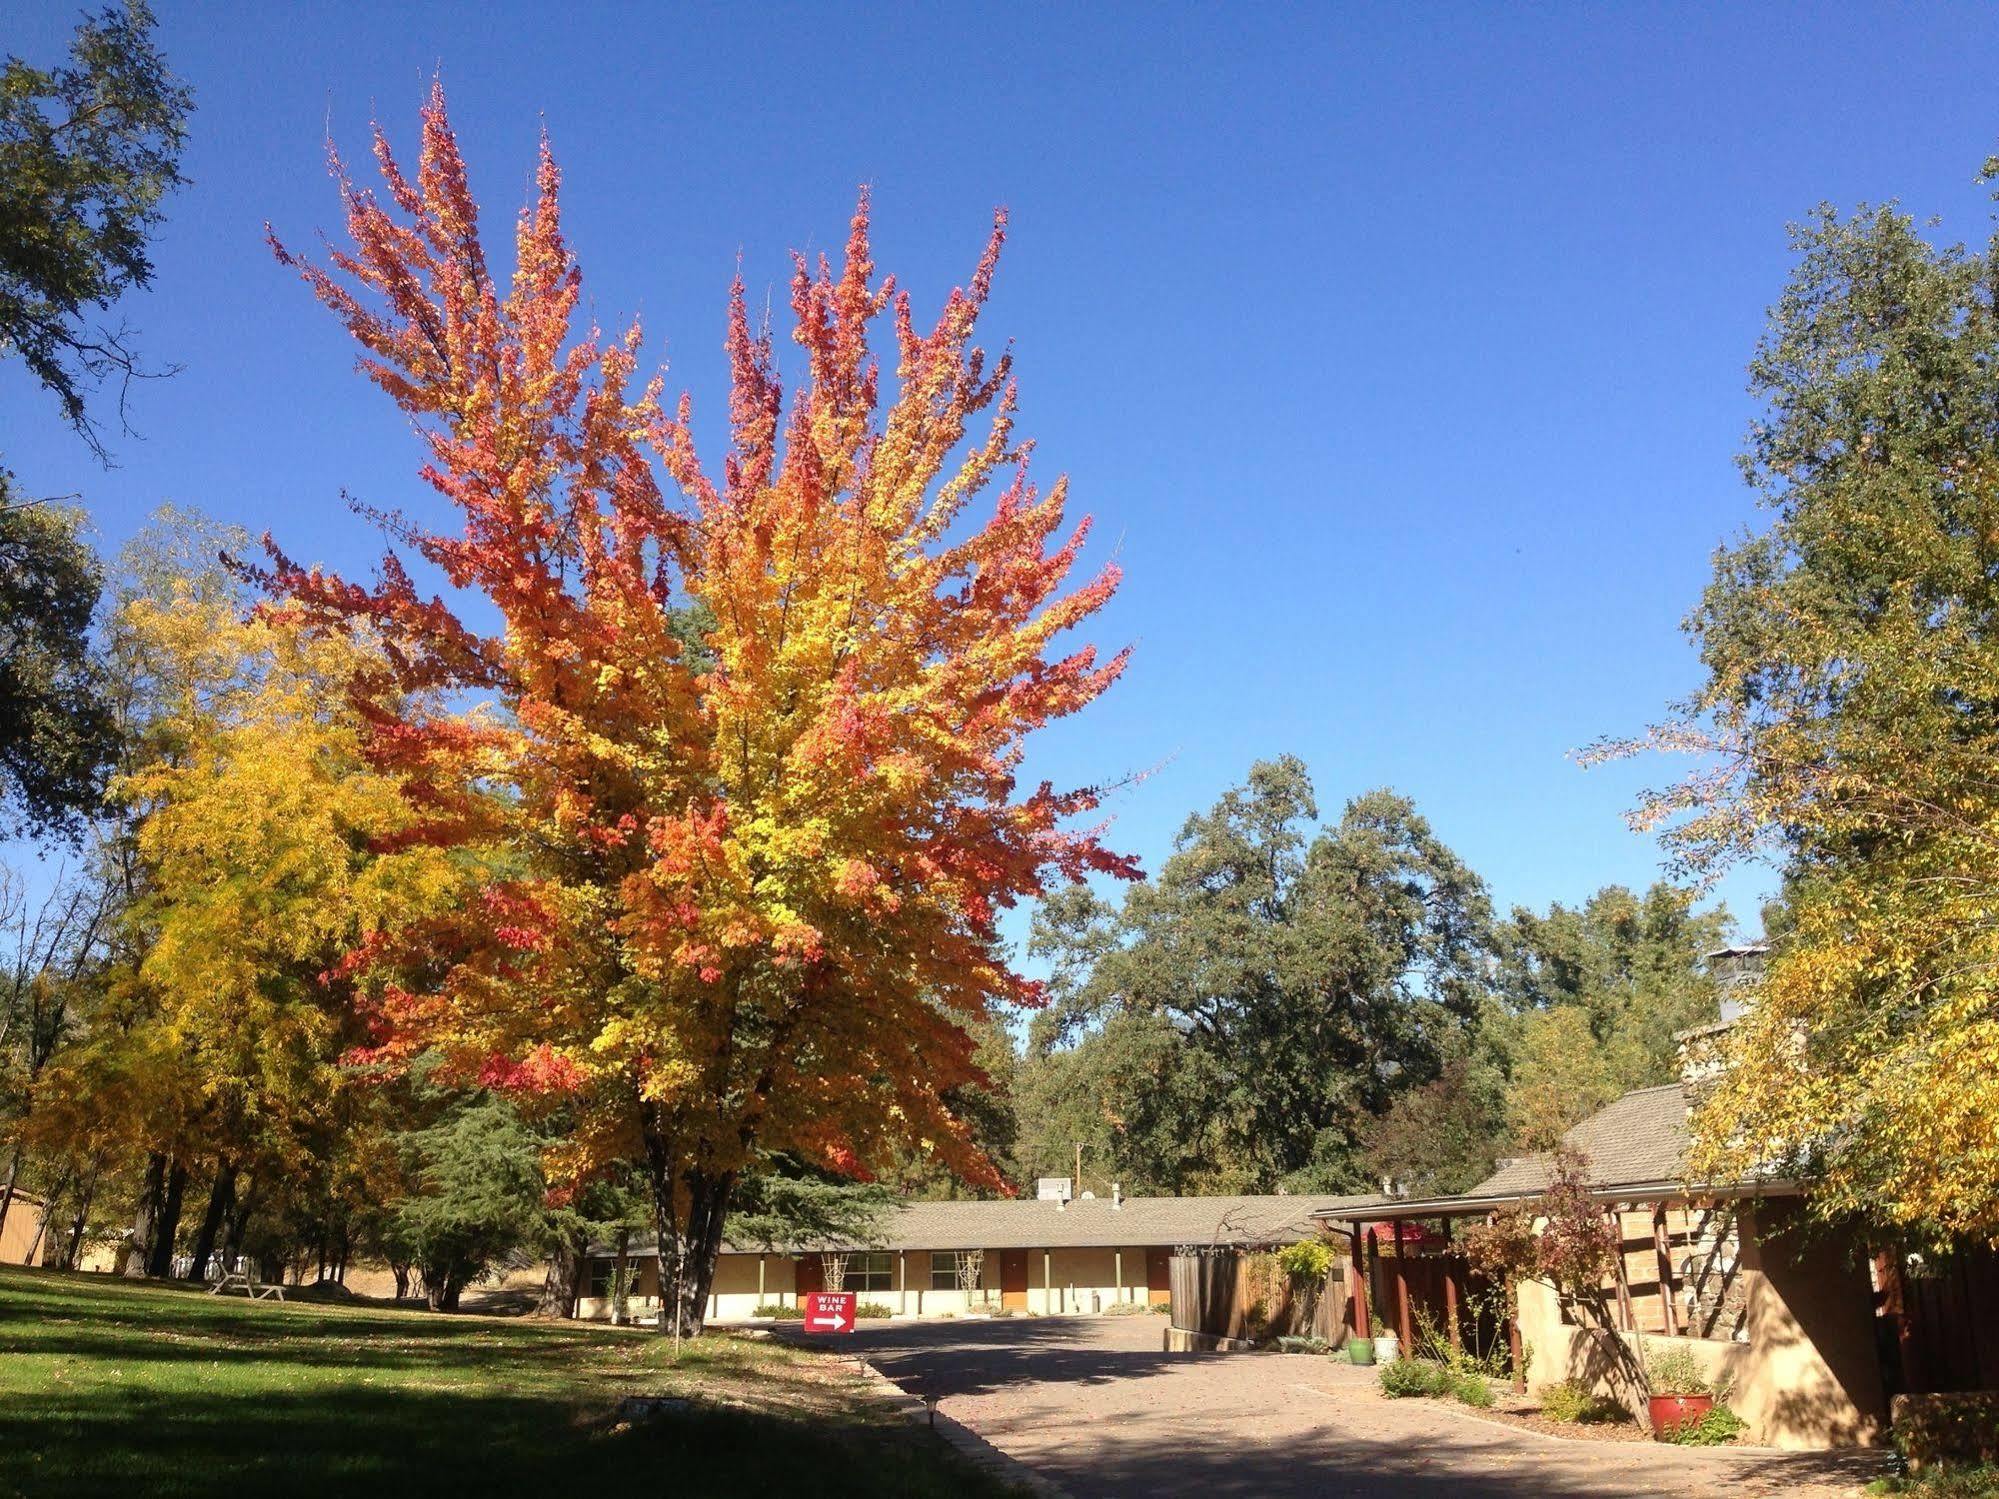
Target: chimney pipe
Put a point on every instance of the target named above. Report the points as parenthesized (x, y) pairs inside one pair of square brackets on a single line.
[(1117, 1195)]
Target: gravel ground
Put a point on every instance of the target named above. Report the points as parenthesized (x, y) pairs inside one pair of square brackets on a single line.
[(1092, 1404)]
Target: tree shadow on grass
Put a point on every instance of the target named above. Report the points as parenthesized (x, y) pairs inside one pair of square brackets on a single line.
[(385, 1443)]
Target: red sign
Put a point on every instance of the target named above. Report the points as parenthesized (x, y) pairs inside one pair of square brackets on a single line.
[(829, 1311)]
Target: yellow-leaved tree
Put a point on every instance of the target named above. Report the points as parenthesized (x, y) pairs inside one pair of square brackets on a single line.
[(1849, 725)]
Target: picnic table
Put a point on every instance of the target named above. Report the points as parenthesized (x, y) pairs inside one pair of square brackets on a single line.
[(236, 1280)]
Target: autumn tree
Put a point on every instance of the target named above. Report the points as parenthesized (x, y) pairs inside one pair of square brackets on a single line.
[(728, 901), (1848, 720)]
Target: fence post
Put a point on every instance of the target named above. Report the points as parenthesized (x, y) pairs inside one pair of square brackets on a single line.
[(1357, 1298), (1402, 1293), (1662, 1244)]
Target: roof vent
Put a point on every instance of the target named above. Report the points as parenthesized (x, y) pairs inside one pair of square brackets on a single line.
[(1117, 1195)]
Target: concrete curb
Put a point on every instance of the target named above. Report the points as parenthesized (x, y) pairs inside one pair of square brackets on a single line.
[(976, 1448)]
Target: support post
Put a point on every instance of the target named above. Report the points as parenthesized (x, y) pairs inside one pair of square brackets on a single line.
[(760, 1280), (1120, 1275), (902, 1277), (1451, 1289), (1357, 1300), (1662, 1244), (1047, 1281), (1402, 1293), (1624, 1313)]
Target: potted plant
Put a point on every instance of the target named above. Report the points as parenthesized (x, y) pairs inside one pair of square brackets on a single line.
[(1677, 1389), (1387, 1346), (1361, 1350)]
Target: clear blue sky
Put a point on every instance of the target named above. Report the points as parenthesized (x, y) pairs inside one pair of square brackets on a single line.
[(1397, 350)]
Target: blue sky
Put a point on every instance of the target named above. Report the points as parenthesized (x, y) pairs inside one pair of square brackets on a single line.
[(1397, 351)]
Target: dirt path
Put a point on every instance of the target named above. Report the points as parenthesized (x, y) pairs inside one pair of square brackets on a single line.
[(1093, 1405)]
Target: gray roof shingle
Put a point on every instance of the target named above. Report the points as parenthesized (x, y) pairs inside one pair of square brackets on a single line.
[(1642, 1137)]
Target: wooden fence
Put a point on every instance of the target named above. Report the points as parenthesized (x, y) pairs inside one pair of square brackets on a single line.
[(1231, 1294)]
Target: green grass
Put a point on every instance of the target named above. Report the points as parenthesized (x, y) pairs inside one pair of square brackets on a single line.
[(107, 1387)]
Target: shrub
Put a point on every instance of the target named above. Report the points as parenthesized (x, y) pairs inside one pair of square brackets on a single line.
[(1718, 1427), (1414, 1376), (873, 1309), (1308, 1262), (1573, 1401), (777, 1310), (1977, 1482), (1302, 1345), (1677, 1371), (1471, 1389)]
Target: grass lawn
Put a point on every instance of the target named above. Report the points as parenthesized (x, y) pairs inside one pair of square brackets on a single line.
[(110, 1387)]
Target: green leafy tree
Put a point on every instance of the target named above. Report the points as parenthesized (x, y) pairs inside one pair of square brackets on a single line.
[(1849, 729), (787, 1204), (1444, 1135), (1631, 963), (478, 1196), (88, 152), (57, 732), (1238, 1019)]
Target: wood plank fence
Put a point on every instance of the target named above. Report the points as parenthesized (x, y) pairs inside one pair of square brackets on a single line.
[(1231, 1294)]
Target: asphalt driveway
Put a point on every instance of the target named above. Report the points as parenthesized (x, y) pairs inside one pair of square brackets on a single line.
[(1092, 1404)]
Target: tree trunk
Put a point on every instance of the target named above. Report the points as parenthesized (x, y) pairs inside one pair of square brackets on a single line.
[(78, 1223), (621, 1279), (565, 1271), (145, 1218), (161, 1263), (239, 1219), (7, 1190), (41, 1229), (402, 1274), (221, 1198), (687, 1251)]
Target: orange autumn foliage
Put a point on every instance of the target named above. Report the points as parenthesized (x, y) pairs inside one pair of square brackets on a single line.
[(744, 806)]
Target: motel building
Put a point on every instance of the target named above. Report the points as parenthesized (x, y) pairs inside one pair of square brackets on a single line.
[(1046, 1255)]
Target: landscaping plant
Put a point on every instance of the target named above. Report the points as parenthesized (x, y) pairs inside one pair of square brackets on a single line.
[(1575, 1402)]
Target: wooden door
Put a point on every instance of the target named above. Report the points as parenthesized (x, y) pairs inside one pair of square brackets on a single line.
[(1158, 1276), (1013, 1280), (811, 1273)]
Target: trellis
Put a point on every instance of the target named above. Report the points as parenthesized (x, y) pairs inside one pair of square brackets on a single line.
[(834, 1266), (971, 1266)]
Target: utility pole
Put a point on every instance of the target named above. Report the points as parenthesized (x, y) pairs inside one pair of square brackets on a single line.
[(1076, 1182)]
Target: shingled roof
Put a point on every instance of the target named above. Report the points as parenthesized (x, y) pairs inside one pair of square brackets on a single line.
[(1092, 1223), (1637, 1148), (1642, 1137)]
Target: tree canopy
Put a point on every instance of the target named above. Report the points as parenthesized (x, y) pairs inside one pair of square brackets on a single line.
[(89, 150), (1237, 1018), (738, 901), (1848, 713)]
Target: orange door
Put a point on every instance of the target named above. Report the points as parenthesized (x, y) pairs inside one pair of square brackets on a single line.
[(1158, 1276), (1013, 1280)]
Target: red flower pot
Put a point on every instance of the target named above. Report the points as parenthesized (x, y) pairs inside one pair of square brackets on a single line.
[(1670, 1411)]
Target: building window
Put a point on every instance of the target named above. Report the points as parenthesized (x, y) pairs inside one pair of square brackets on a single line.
[(601, 1272), (944, 1270), (867, 1272)]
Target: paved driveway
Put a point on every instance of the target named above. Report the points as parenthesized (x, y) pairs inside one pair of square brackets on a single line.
[(1094, 1405)]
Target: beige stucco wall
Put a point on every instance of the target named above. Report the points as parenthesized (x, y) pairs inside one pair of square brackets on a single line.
[(1059, 1281), (1805, 1375)]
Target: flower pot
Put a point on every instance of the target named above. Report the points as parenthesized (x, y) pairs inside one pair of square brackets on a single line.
[(1360, 1350), (1387, 1348), (1669, 1412)]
